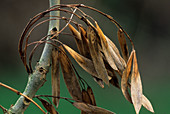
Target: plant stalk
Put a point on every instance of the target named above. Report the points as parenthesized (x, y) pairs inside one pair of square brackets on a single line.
[(38, 77)]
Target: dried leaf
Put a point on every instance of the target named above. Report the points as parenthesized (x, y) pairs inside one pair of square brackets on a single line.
[(85, 43), (99, 81), (86, 97), (114, 81), (123, 45), (49, 107), (146, 103), (85, 63), (122, 63), (106, 48), (91, 109), (112, 76), (125, 77), (77, 38), (69, 76), (90, 92), (136, 86), (96, 55), (55, 77)]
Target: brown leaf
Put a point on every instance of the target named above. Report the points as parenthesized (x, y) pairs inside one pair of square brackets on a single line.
[(136, 86), (85, 63), (146, 103), (91, 109), (99, 81), (86, 97), (90, 92), (123, 45), (106, 48), (96, 55), (69, 76), (49, 107), (125, 77), (112, 76), (121, 64), (85, 43), (78, 39), (55, 77), (114, 82)]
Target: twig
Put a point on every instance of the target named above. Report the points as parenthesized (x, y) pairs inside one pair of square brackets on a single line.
[(19, 93)]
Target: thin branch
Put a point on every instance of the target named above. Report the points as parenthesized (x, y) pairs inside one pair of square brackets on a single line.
[(19, 93)]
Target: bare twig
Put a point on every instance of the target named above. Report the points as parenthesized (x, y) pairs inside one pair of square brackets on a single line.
[(19, 93)]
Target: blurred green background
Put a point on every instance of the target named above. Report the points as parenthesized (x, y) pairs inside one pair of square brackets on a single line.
[(146, 21)]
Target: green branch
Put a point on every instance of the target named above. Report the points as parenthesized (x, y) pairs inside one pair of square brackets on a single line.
[(38, 77)]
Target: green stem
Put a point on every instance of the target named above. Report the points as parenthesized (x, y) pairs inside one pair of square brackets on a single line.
[(38, 77)]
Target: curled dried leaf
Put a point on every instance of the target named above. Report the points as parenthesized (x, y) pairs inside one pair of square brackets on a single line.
[(125, 77), (136, 86), (123, 44), (91, 109), (69, 76), (96, 55), (55, 77), (49, 107)]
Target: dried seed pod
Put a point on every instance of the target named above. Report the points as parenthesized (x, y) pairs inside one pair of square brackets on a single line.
[(146, 103), (96, 55), (91, 95), (78, 39), (86, 98), (69, 76), (125, 77), (85, 43), (91, 109), (123, 44), (136, 86), (120, 61), (106, 48), (49, 107), (55, 76), (85, 63), (99, 81)]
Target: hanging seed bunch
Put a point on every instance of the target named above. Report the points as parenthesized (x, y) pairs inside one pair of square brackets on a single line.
[(97, 55)]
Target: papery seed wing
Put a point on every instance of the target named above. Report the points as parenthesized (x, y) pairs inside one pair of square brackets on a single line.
[(114, 81), (121, 64), (99, 81), (85, 63), (69, 76), (55, 77), (49, 107), (91, 109), (96, 55), (125, 77), (123, 45), (90, 92), (85, 43), (146, 103), (86, 97), (106, 47), (78, 39), (136, 86)]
